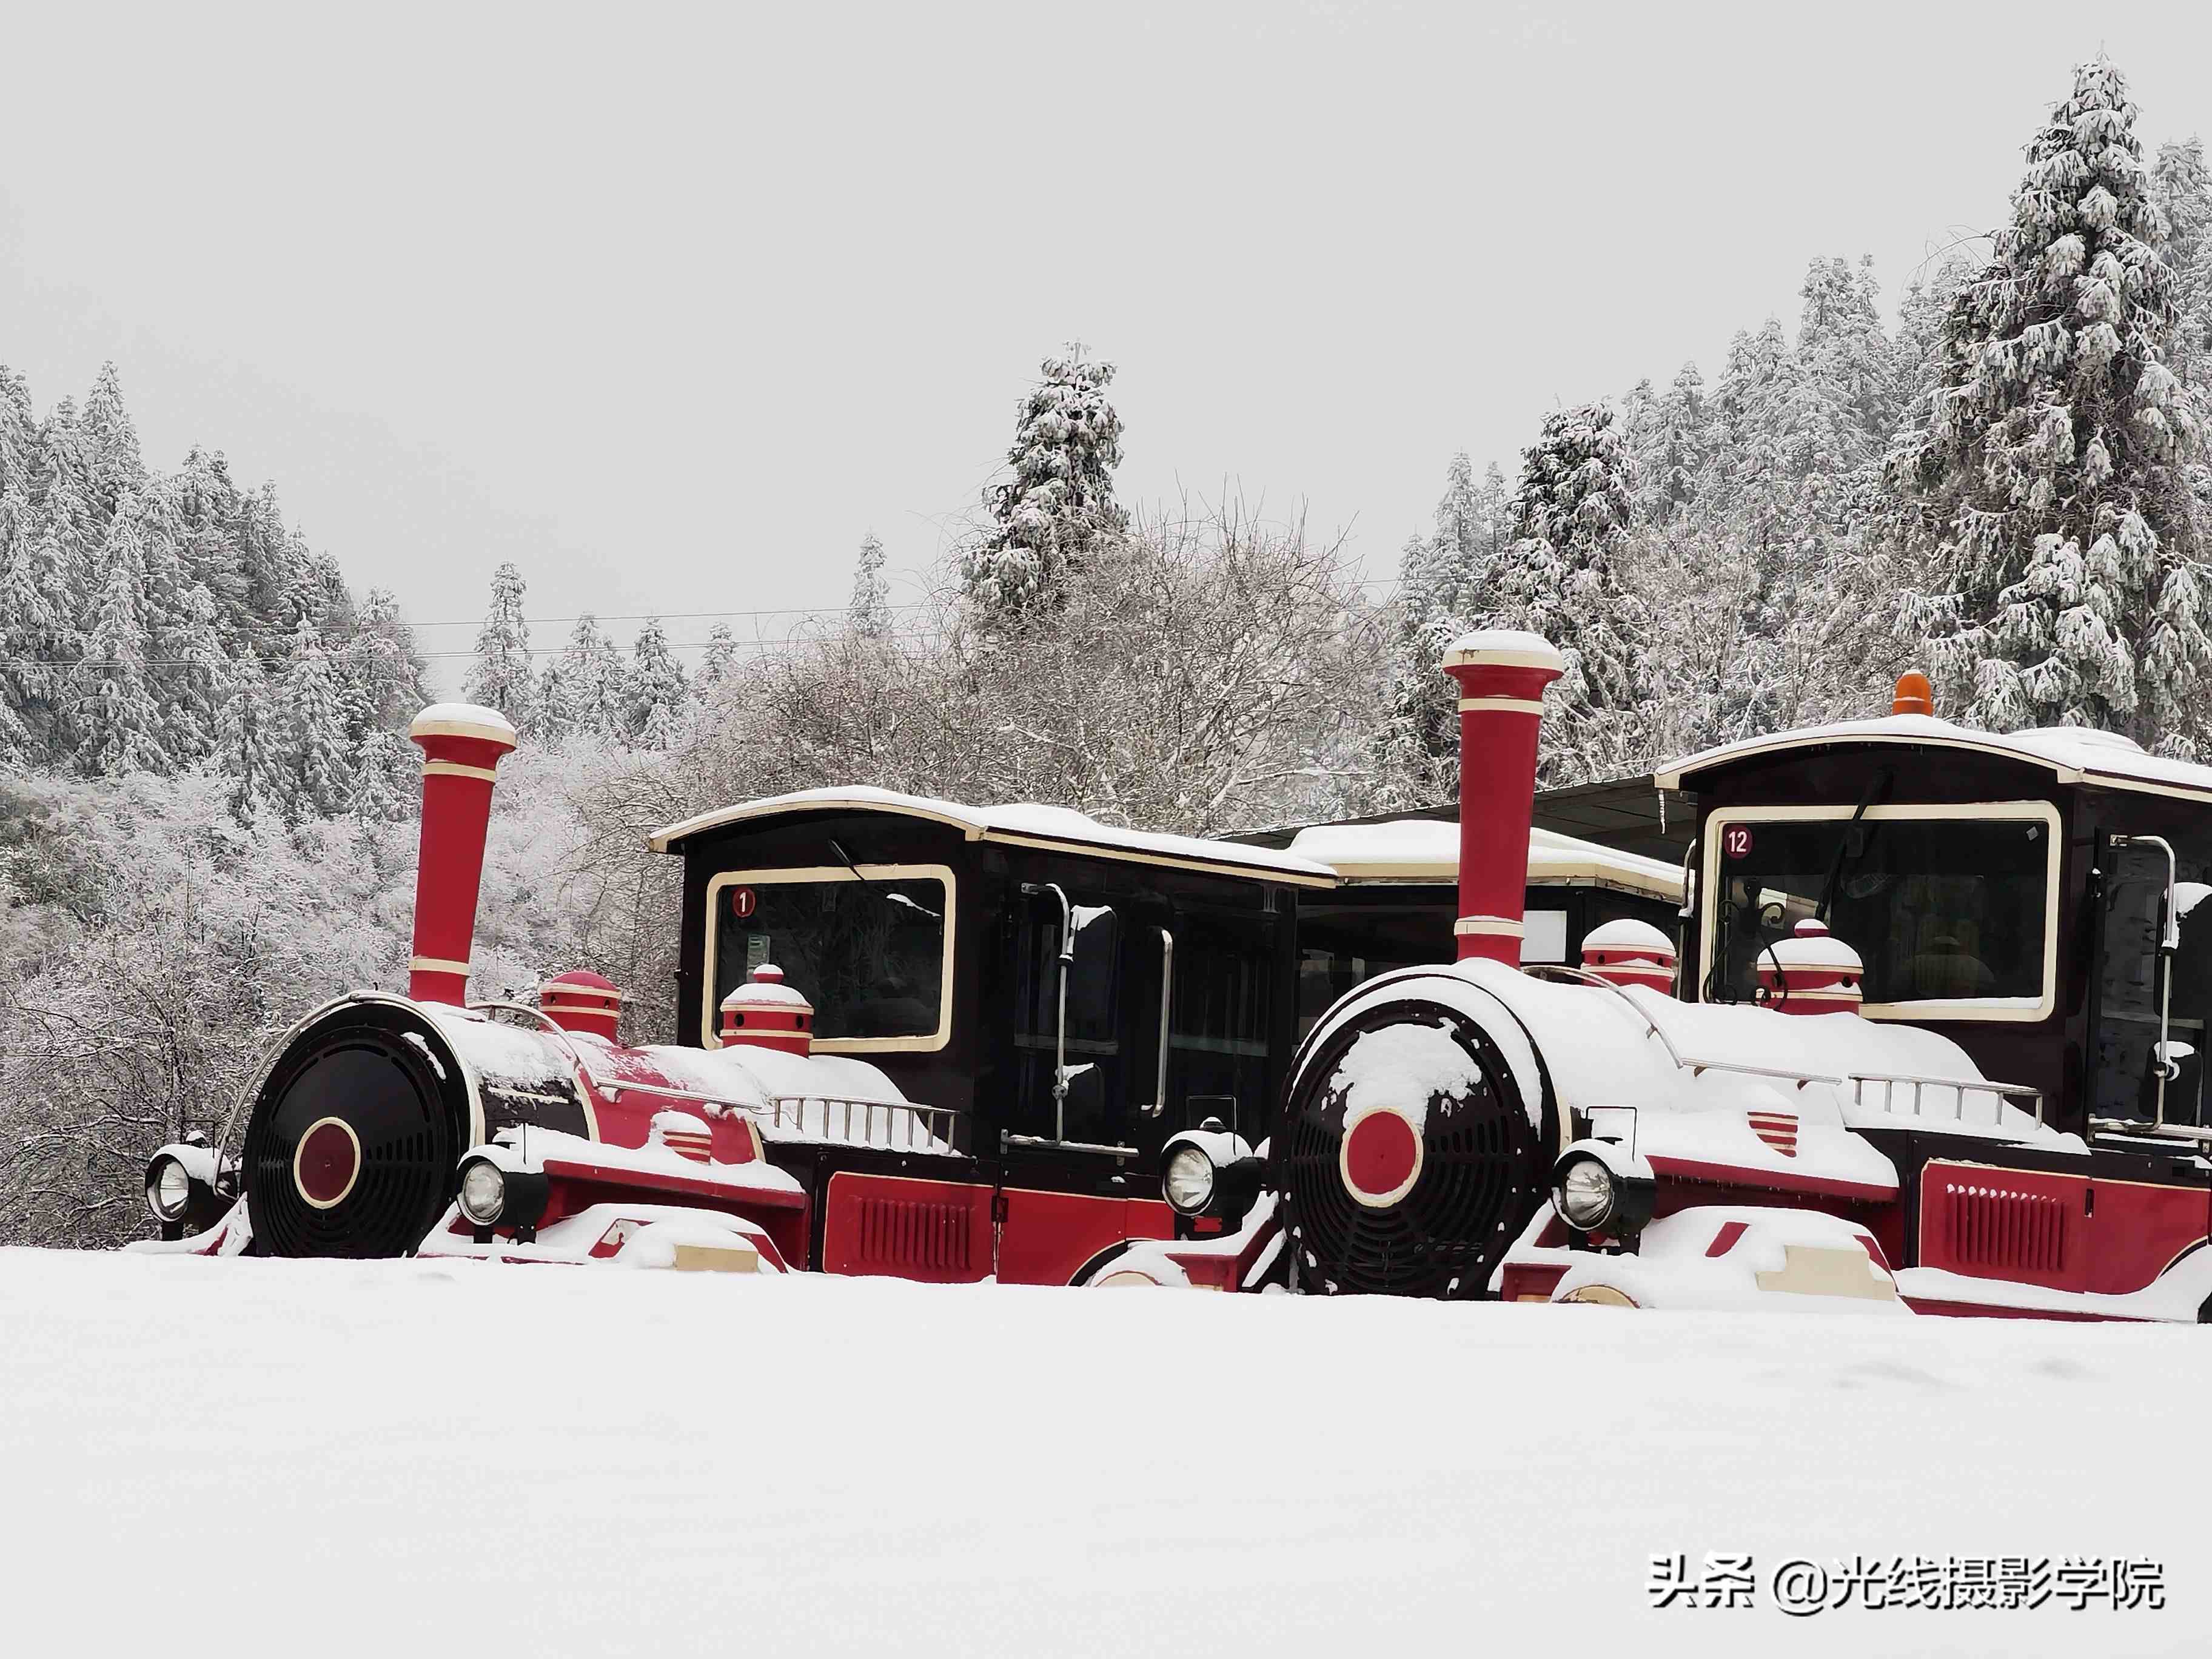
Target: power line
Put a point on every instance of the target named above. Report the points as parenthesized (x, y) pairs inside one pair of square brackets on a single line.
[(430, 656), (718, 615)]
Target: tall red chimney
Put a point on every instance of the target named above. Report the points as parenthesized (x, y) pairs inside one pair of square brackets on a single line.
[(1502, 674), (461, 748)]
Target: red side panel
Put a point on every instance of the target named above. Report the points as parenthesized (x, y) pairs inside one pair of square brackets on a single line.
[(2138, 1228), (2029, 1226), (938, 1232), (1050, 1236)]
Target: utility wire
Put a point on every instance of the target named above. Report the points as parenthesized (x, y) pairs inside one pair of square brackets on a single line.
[(716, 615)]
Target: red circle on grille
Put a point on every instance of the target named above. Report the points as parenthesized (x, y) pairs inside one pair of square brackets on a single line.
[(1381, 1158), (328, 1162)]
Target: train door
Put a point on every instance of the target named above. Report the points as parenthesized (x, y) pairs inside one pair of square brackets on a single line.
[(2152, 1000), (2146, 995), (1221, 995), (1077, 1142)]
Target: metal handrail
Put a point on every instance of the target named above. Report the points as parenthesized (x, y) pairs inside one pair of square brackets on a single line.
[(1961, 1086), (2142, 1130), (1167, 1012), (925, 1116), (1047, 1143), (1060, 1072), (2169, 944), (1856, 1080)]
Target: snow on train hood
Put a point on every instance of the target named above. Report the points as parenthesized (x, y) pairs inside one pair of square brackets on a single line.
[(1596, 1046), (810, 1097), (806, 1097), (1607, 1047)]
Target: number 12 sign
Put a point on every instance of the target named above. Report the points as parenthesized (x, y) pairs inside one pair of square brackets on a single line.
[(1735, 842)]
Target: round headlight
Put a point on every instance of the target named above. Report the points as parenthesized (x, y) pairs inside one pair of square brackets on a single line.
[(484, 1192), (1189, 1181), (1585, 1195), (168, 1190)]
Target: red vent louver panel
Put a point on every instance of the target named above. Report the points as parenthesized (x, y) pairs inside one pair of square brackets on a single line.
[(912, 1236), (2015, 1225)]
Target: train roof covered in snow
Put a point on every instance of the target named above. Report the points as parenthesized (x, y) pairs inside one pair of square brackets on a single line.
[(2071, 754)]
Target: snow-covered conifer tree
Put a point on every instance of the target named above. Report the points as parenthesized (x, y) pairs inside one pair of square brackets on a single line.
[(719, 663), (2183, 185), (246, 739), (869, 612), (1571, 513), (1673, 449), (383, 675), (116, 723), (655, 690), (113, 462), (318, 756), (1444, 581), (585, 689), (500, 676), (194, 676), (1058, 502), (19, 434), (385, 775), (2068, 587)]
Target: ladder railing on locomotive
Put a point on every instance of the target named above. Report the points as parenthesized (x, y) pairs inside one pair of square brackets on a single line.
[(1855, 1081)]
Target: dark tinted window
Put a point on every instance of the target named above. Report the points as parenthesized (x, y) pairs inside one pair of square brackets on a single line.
[(1218, 1062), (1938, 908), (1342, 946), (870, 955)]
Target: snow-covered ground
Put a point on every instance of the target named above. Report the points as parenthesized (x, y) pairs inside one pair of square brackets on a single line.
[(263, 1457)]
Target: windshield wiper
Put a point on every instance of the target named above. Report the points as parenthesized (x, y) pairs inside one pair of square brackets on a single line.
[(1844, 856), (889, 897)]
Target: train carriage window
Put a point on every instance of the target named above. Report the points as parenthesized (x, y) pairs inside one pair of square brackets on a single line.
[(1943, 907), (869, 947)]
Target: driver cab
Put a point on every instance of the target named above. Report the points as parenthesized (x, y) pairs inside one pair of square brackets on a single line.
[(2037, 896)]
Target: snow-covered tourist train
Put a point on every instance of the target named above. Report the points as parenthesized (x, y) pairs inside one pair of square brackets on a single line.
[(1933, 1043), (1917, 1027), (914, 1037)]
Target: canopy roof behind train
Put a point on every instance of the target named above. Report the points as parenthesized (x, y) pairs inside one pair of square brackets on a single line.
[(1416, 848), (1425, 849)]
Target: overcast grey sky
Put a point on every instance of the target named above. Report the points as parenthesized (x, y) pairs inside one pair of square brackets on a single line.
[(671, 305)]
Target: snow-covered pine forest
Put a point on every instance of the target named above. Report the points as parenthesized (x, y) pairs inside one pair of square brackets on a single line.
[(1999, 474)]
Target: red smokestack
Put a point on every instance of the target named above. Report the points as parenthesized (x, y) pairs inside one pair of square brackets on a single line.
[(461, 747), (1502, 675)]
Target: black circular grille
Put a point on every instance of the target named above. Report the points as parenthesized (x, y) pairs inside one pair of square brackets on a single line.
[(1482, 1172), (368, 1065)]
